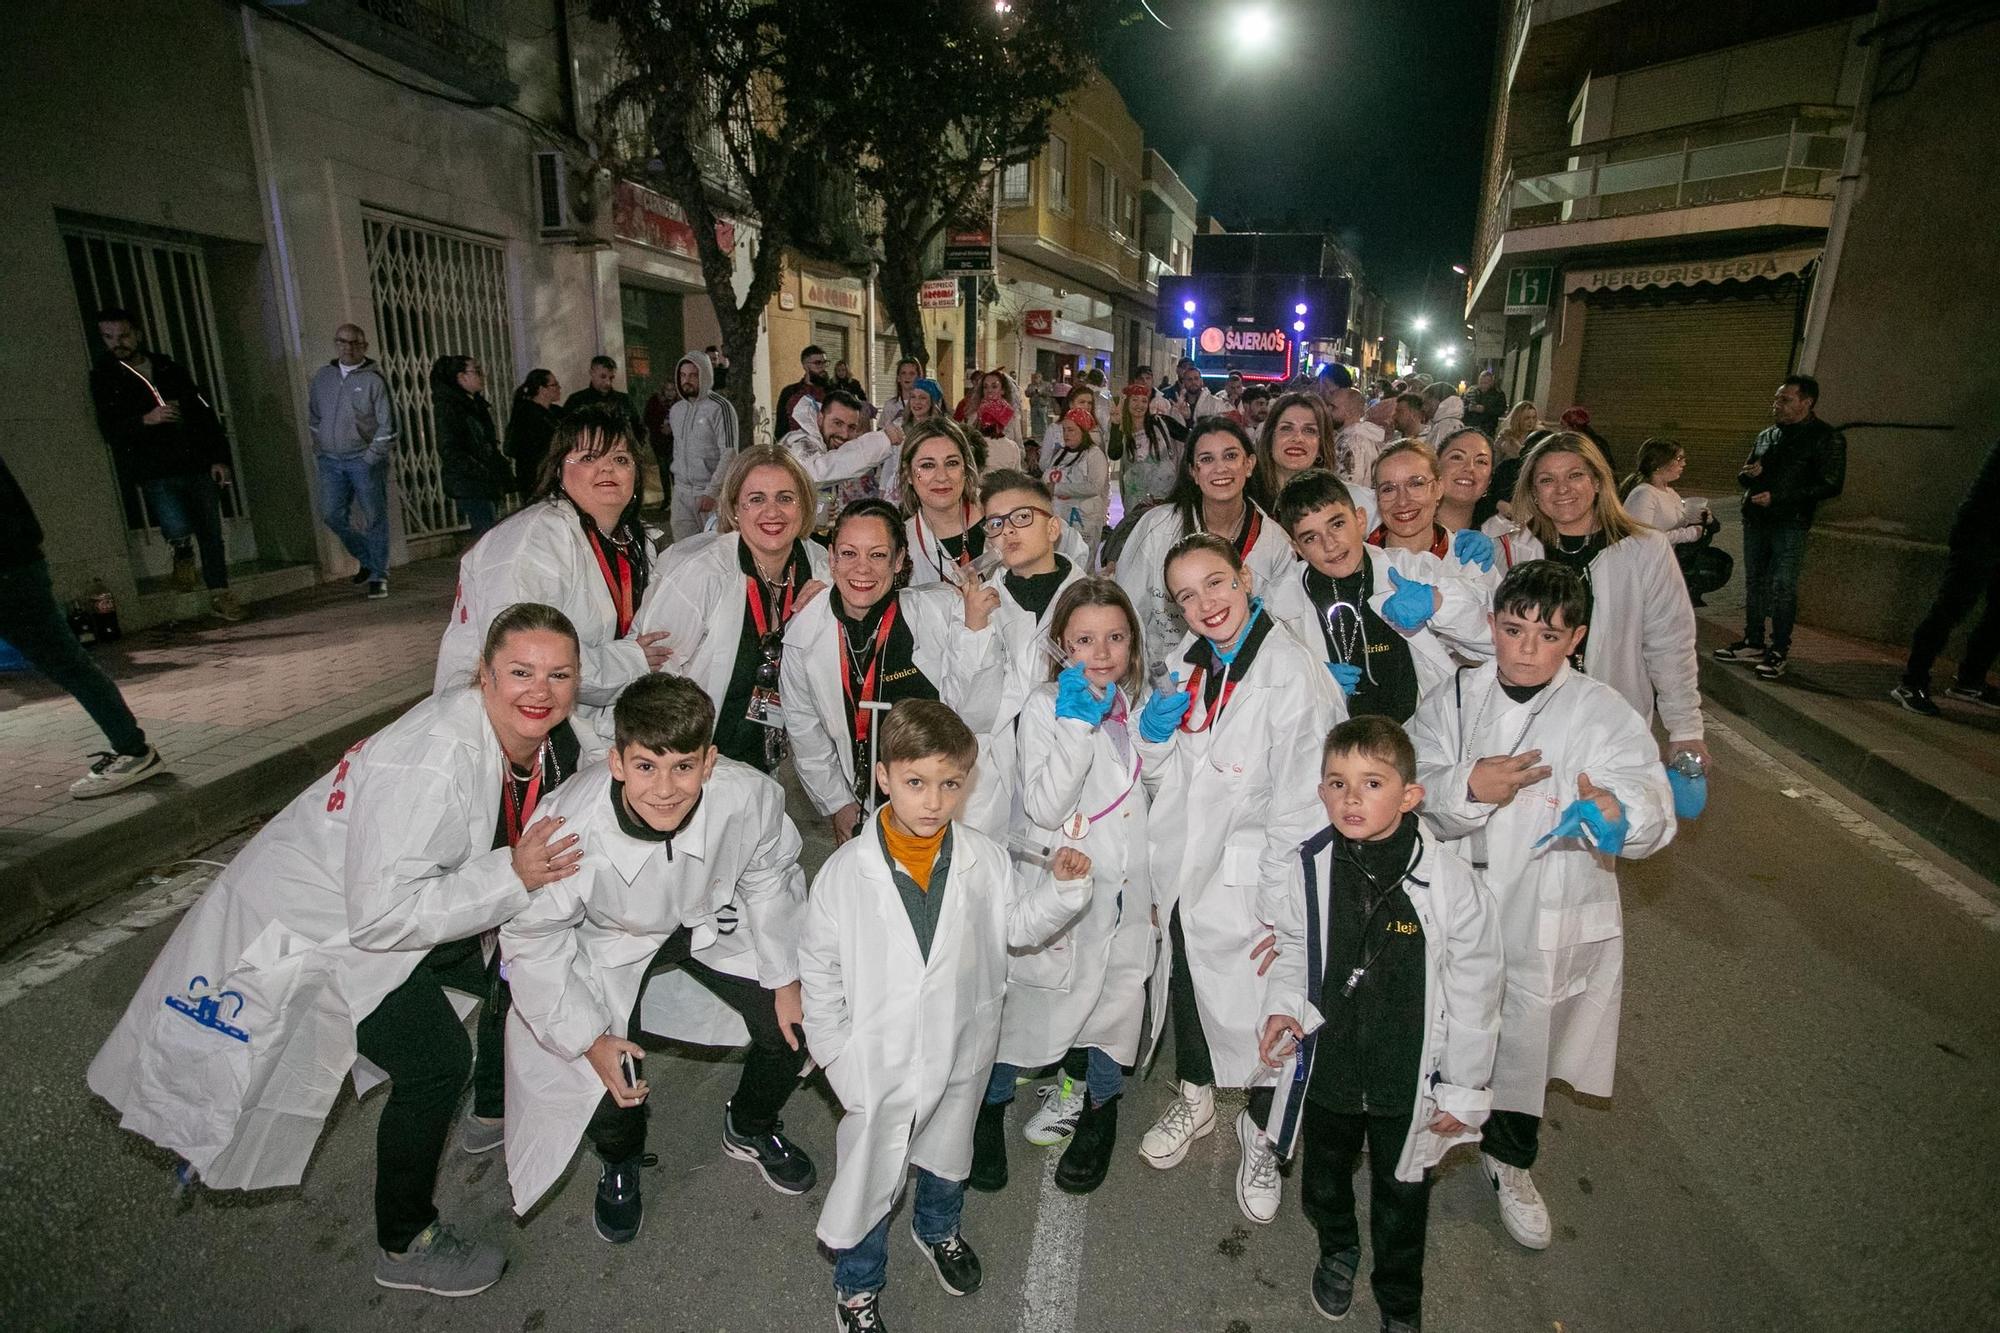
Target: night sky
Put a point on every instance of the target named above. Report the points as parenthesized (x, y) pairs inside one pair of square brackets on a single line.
[(1364, 118)]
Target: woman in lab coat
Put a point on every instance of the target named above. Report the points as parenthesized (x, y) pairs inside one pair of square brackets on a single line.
[(940, 497), (1210, 495), (335, 932), (1233, 741), (1641, 640), (865, 643), (1079, 476), (723, 599), (581, 548)]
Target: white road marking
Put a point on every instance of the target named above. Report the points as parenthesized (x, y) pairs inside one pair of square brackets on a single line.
[(1959, 895), (40, 966), (1055, 1257)]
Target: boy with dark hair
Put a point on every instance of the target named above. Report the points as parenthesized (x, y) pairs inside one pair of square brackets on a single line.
[(1542, 776), (1386, 990), (691, 869), (902, 998)]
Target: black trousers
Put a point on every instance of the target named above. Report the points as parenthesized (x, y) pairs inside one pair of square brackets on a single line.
[(35, 625), (1512, 1137), (1968, 576), (416, 1037), (1192, 1062), (1398, 1210), (770, 1072)]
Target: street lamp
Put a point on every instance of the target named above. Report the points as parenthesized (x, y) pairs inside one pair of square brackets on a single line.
[(1420, 323), (1255, 28)]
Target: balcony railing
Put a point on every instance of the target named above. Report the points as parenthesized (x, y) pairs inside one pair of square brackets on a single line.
[(459, 42)]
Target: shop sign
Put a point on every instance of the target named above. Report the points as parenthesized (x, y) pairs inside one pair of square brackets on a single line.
[(649, 219), (968, 238), (1038, 323), (843, 295), (1737, 268), (938, 294), (1528, 289)]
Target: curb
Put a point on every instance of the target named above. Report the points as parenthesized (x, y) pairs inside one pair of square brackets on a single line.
[(64, 872), (1964, 826)]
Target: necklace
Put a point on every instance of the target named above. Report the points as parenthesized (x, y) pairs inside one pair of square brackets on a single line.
[(1582, 543)]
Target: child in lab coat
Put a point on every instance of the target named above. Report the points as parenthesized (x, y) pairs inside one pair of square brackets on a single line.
[(1393, 1027), (903, 956), (1542, 777)]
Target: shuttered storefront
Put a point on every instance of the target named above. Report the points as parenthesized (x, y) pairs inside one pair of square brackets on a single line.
[(1695, 364)]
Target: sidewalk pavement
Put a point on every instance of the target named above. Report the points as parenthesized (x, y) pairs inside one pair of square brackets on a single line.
[(246, 716), (1940, 776)]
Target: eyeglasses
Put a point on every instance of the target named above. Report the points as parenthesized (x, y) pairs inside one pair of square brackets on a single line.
[(1014, 518), (1414, 486)]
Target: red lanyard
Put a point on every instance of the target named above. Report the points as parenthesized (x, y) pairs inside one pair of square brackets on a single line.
[(518, 813), (1250, 531), (619, 584), (758, 615), (1440, 544), (862, 717), (1214, 709)]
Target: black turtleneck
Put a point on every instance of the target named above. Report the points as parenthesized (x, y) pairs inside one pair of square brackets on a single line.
[(634, 827), (1520, 694), (1373, 1044), (1034, 592), (735, 734), (1388, 685), (897, 679)]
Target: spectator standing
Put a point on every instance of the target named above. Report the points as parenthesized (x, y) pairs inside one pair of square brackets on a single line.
[(1038, 392), (997, 416), (31, 620), (1255, 406), (1797, 462), (1406, 417), (1972, 568), (660, 437), (1356, 439), (1444, 414), (720, 360), (475, 473), (1577, 419), (353, 427), (600, 393), (703, 425), (969, 403), (813, 382), (1485, 405), (908, 371), (843, 380), (530, 426), (167, 440), (1521, 421)]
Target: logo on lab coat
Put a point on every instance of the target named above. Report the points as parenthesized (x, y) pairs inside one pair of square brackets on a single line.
[(204, 1006)]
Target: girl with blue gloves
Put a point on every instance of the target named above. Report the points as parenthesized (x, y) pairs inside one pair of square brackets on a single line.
[(1543, 777), (1231, 737), (1081, 997)]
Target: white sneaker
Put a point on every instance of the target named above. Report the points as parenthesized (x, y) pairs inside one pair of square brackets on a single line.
[(1062, 1106), (1522, 1211), (1188, 1117), (116, 772), (1258, 1189)]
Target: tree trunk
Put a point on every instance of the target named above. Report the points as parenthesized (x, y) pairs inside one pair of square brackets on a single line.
[(900, 279)]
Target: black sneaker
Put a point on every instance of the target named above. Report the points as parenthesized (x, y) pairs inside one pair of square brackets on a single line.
[(1772, 667), (1333, 1282), (1988, 695), (1915, 698), (361, 576), (989, 1148), (1392, 1324), (1741, 651), (620, 1211), (858, 1314), (956, 1266), (784, 1167), (377, 589), (1088, 1157)]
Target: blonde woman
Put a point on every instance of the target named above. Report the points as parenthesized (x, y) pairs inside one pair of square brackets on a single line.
[(1522, 420)]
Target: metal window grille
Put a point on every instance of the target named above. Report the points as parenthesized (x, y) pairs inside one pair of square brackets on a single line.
[(165, 283), (436, 293)]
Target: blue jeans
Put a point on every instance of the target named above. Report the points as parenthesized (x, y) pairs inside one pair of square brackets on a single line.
[(33, 622), (866, 1266), (1772, 554), (1102, 1075), (355, 483), (190, 506)]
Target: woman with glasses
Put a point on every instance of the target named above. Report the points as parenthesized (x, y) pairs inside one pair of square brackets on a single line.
[(852, 654), (723, 599), (1210, 495), (580, 548)]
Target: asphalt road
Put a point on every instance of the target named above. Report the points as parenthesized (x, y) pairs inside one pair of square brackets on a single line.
[(1802, 1138)]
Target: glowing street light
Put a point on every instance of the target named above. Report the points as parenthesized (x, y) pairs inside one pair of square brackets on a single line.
[(1445, 356), (1420, 323), (1299, 309), (1255, 28)]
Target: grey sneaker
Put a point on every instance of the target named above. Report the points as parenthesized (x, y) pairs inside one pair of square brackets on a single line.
[(441, 1263), (115, 772), (477, 1136), (1988, 695)]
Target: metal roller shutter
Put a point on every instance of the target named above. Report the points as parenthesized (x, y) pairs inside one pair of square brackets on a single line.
[(1698, 365)]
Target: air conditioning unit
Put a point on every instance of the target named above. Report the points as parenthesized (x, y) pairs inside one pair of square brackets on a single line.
[(555, 220)]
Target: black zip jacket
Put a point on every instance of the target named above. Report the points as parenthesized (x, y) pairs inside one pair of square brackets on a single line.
[(469, 459), (171, 449), (1803, 464)]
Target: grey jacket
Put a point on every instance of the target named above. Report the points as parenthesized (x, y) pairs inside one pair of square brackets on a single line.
[(704, 430), (350, 416)]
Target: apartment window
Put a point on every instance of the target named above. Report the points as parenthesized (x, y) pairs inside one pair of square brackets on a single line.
[(1014, 184), (1128, 211), (1100, 194), (1058, 157)]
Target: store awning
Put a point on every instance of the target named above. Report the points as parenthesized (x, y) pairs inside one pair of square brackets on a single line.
[(1690, 273)]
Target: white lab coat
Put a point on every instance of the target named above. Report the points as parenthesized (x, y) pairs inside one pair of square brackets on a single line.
[(1447, 421), (577, 955), (540, 555), (1641, 639), (1080, 482), (1086, 986), (967, 668), (1141, 572), (329, 908), (698, 596), (907, 1042), (1660, 507), (1355, 447), (993, 806), (867, 455), (927, 557), (1230, 808), (1458, 629), (1558, 908), (1464, 972)]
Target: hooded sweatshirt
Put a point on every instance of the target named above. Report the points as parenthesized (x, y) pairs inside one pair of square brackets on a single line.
[(1449, 417), (350, 415), (704, 430)]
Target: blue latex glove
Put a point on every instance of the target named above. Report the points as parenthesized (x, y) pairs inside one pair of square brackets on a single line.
[(1690, 793), (1582, 814), (1163, 712), (1410, 605), (1074, 699), (1347, 673), (1473, 547)]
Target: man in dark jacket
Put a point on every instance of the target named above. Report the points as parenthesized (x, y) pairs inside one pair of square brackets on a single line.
[(32, 622), (166, 439), (1971, 570), (1485, 405), (1796, 462), (603, 374)]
